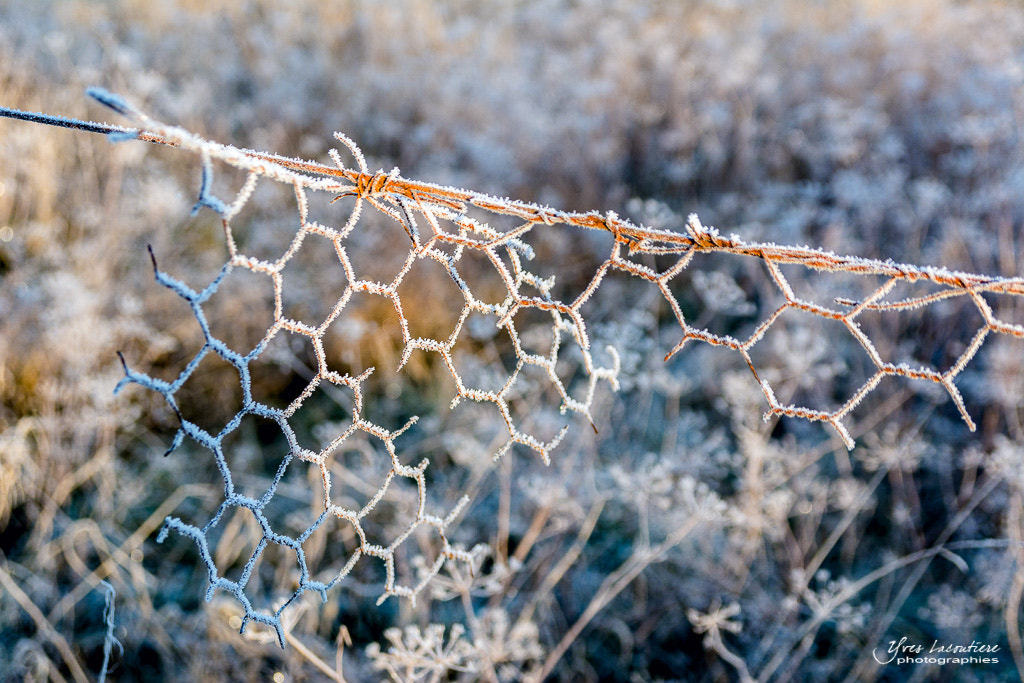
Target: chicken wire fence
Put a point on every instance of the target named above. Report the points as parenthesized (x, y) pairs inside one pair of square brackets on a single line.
[(448, 228)]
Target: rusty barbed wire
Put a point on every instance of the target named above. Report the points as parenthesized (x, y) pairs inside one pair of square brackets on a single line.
[(400, 198)]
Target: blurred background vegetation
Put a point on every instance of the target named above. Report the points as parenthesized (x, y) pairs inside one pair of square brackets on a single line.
[(887, 130)]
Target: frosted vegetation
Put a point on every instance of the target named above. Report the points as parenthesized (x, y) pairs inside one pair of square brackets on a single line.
[(683, 537)]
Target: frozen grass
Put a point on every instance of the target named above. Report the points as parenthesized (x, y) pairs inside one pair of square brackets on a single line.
[(884, 133)]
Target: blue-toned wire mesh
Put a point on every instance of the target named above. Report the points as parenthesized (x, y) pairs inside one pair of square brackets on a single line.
[(296, 455), (445, 248)]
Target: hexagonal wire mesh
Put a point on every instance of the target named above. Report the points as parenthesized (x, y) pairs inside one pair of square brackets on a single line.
[(439, 228)]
